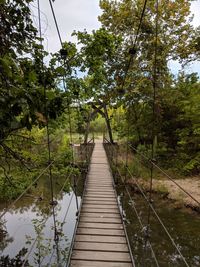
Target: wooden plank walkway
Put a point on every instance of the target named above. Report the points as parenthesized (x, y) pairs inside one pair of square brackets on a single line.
[(100, 238)]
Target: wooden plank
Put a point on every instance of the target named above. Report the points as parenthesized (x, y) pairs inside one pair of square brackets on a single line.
[(108, 232), (98, 161), (100, 181), (96, 193), (100, 177), (100, 239), (113, 211), (100, 220), (99, 190), (100, 196), (100, 206), (80, 263), (101, 215), (100, 187), (102, 200), (97, 175), (101, 256), (99, 184), (100, 246), (93, 202), (100, 225)]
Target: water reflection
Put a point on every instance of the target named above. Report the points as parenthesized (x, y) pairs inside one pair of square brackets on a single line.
[(183, 226), (31, 217)]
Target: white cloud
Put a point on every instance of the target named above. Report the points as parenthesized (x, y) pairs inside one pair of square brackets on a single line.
[(71, 15), (83, 14), (195, 9)]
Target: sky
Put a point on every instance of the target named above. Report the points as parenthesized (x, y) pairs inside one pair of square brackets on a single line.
[(83, 14), (71, 15)]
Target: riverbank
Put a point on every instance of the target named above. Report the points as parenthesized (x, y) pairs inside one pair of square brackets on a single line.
[(170, 190)]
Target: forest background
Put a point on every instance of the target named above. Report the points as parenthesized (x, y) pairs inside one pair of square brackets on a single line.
[(88, 84)]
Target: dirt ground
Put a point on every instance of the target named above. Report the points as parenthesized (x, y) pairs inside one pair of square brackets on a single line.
[(191, 185), (170, 190)]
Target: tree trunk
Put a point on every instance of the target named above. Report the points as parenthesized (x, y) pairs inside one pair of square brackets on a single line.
[(87, 131), (108, 124)]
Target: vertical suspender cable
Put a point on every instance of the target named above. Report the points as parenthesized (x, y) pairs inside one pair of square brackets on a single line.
[(153, 116), (132, 50), (56, 23), (65, 62), (127, 144), (48, 135)]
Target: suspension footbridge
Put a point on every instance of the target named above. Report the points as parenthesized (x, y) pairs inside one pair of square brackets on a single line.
[(100, 238)]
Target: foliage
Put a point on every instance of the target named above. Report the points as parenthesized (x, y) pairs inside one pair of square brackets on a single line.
[(28, 92), (15, 262), (176, 123)]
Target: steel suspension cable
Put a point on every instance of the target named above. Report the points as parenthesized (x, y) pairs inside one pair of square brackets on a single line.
[(138, 217), (66, 213), (65, 62), (127, 142), (159, 220), (153, 118), (58, 31), (22, 194), (44, 222), (133, 204), (47, 131), (132, 51), (56, 23), (157, 216), (70, 121), (69, 112)]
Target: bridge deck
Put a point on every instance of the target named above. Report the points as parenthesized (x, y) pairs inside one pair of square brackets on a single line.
[(100, 238)]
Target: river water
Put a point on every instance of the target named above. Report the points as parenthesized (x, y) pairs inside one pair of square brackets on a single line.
[(182, 224), (31, 217)]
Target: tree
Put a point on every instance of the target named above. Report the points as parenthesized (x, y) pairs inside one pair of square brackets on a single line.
[(97, 59), (176, 40), (23, 76)]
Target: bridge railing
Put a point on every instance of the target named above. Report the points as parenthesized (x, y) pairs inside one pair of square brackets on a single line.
[(86, 150), (122, 158), (86, 153)]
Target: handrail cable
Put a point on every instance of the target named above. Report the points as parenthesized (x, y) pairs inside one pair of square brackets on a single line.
[(66, 213), (30, 223), (31, 248), (133, 205), (64, 219), (43, 223), (164, 172), (159, 219), (156, 215), (78, 218), (25, 190), (138, 217)]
